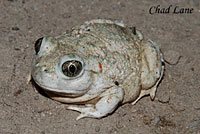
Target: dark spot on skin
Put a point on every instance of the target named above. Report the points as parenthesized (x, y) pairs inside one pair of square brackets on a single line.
[(116, 83)]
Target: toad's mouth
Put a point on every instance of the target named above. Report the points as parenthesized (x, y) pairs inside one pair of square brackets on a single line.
[(56, 91)]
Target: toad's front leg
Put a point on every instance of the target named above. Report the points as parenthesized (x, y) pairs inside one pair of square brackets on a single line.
[(107, 104)]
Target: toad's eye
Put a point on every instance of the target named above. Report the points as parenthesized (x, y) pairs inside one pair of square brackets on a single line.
[(38, 45), (71, 68)]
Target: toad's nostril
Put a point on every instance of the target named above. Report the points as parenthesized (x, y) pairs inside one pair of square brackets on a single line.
[(38, 45)]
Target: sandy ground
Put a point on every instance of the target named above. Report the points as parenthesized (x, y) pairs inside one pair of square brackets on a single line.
[(176, 108)]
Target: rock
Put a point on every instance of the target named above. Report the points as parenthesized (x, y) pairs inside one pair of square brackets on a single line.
[(155, 120), (164, 97), (171, 56), (97, 129), (163, 94), (194, 126), (15, 28), (119, 124)]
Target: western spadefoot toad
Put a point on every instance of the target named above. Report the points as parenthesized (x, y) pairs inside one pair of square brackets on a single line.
[(99, 64)]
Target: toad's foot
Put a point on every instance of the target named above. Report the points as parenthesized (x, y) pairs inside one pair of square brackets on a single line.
[(108, 102), (151, 92)]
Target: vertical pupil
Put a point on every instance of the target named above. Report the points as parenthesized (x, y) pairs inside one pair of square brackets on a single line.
[(72, 68)]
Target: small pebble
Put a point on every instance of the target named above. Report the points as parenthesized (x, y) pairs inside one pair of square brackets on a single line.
[(36, 98), (146, 120), (43, 114), (17, 92), (11, 39), (15, 28), (164, 97), (194, 126), (97, 129), (177, 107), (163, 94), (171, 56), (155, 120), (112, 130), (119, 125), (66, 15)]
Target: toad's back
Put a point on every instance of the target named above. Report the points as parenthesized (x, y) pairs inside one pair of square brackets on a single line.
[(110, 48)]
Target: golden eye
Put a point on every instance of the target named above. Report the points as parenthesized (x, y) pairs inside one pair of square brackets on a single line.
[(72, 68), (38, 45)]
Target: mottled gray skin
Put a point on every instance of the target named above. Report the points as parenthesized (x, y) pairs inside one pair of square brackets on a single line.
[(115, 59)]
